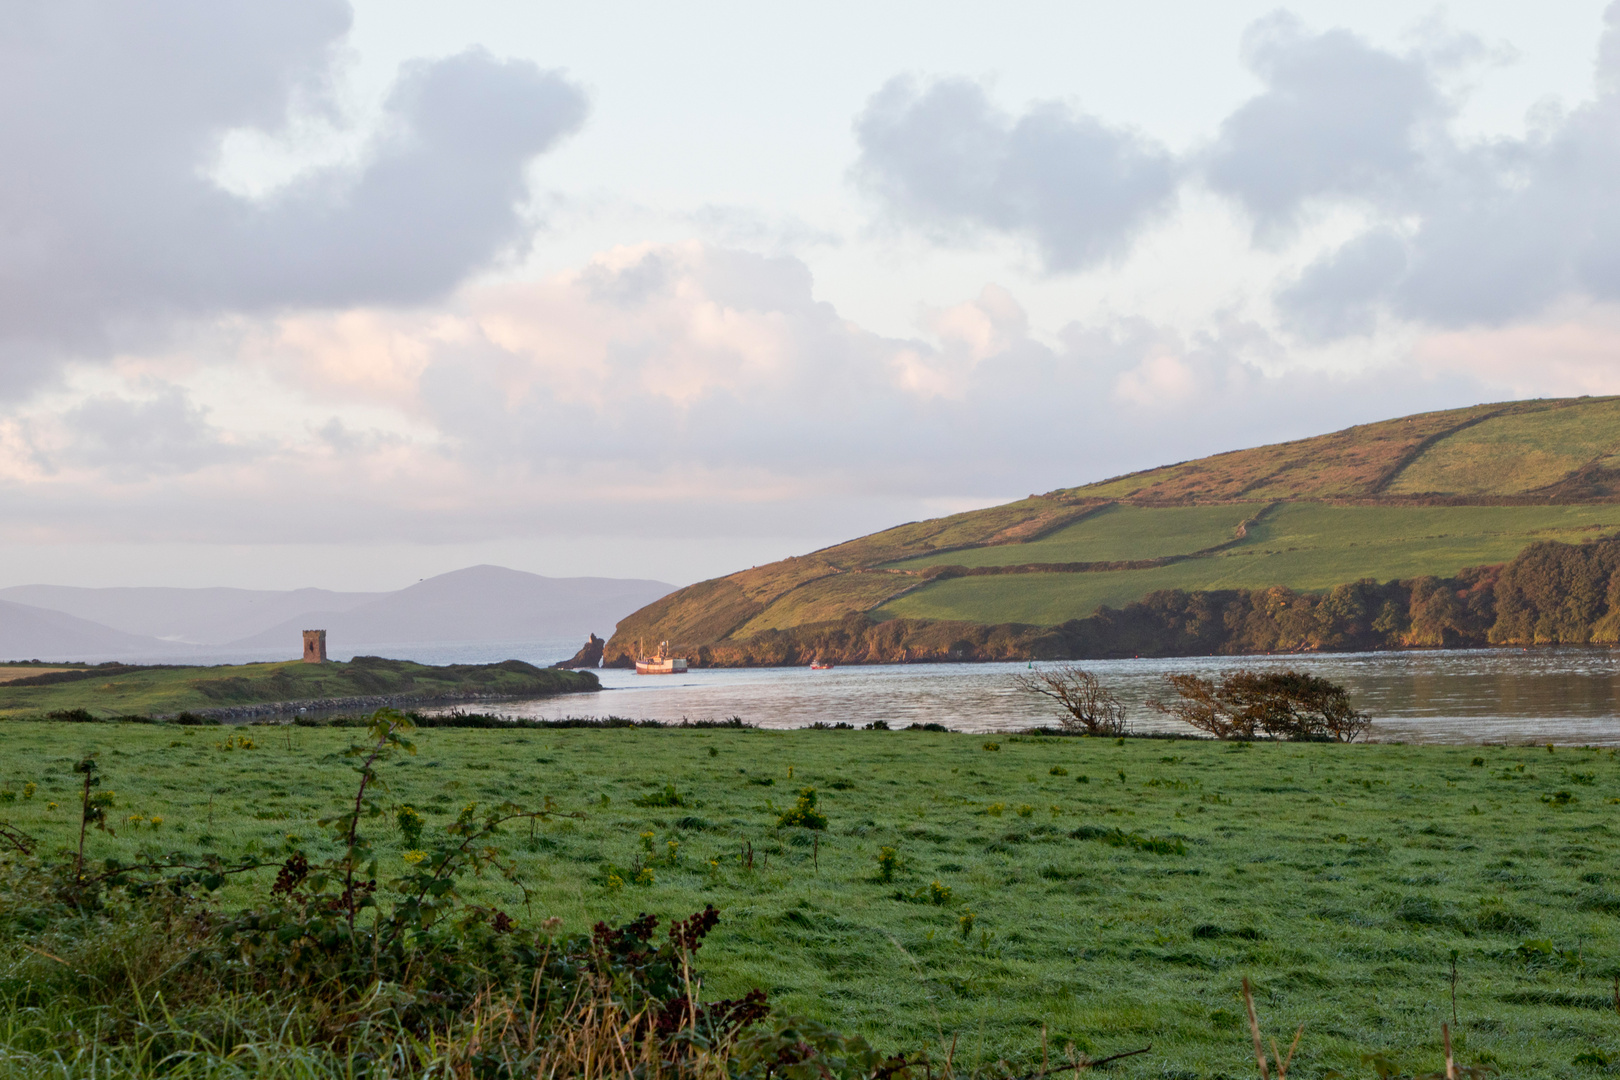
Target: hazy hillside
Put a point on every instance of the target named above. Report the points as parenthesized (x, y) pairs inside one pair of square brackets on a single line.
[(32, 633), (1424, 495), (197, 616), (481, 603), (478, 604)]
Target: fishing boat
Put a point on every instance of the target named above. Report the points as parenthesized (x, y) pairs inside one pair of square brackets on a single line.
[(660, 663), (817, 665)]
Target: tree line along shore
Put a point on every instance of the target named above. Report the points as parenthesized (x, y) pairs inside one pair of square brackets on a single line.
[(1551, 593)]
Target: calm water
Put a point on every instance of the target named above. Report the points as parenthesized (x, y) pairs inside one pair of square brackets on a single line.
[(1464, 696)]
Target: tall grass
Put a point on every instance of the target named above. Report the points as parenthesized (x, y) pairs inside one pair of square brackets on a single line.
[(1121, 912)]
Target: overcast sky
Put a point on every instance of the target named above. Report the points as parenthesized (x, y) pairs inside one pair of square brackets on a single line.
[(308, 293)]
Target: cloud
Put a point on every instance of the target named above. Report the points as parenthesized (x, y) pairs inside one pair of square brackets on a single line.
[(1482, 234), (941, 156), (1449, 232), (122, 440), (1571, 351), (657, 391), (744, 227), (112, 117), (1338, 119), (1341, 294)]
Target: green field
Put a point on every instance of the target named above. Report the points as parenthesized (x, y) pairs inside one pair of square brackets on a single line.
[(1305, 546), (1515, 453), (1116, 533), (1118, 891), (122, 690)]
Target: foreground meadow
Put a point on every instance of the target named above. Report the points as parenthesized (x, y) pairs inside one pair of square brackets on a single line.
[(986, 895)]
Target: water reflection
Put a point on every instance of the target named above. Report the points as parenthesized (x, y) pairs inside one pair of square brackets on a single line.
[(1463, 696)]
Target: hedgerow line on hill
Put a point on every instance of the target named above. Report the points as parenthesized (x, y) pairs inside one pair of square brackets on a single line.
[(1423, 445)]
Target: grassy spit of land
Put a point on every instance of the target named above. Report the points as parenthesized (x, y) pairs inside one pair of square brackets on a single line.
[(1113, 894), (239, 690)]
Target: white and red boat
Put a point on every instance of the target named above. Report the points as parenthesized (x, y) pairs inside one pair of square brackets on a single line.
[(817, 665), (660, 663)]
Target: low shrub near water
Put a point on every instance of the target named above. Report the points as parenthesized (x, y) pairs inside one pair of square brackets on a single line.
[(1088, 707), (1245, 704)]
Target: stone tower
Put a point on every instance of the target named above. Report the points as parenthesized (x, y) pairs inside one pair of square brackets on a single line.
[(314, 646)]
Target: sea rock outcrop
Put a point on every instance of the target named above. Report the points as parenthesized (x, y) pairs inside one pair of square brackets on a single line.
[(588, 657)]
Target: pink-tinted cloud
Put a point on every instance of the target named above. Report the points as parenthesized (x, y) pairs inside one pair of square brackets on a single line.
[(1575, 352), (656, 389)]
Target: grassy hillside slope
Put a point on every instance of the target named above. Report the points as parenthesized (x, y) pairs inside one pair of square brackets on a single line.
[(128, 690), (1418, 496), (1304, 546)]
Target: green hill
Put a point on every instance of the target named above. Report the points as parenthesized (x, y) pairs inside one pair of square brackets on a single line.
[(1425, 496)]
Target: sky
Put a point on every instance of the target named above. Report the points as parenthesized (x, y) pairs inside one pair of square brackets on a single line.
[(347, 295)]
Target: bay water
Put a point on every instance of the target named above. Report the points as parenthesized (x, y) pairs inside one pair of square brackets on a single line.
[(1567, 696)]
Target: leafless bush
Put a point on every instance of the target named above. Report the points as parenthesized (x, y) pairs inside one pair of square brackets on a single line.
[(1245, 704), (1090, 708)]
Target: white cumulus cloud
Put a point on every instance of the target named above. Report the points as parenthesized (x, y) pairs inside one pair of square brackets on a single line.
[(111, 226)]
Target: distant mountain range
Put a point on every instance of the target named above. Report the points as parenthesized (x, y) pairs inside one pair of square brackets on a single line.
[(478, 604)]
